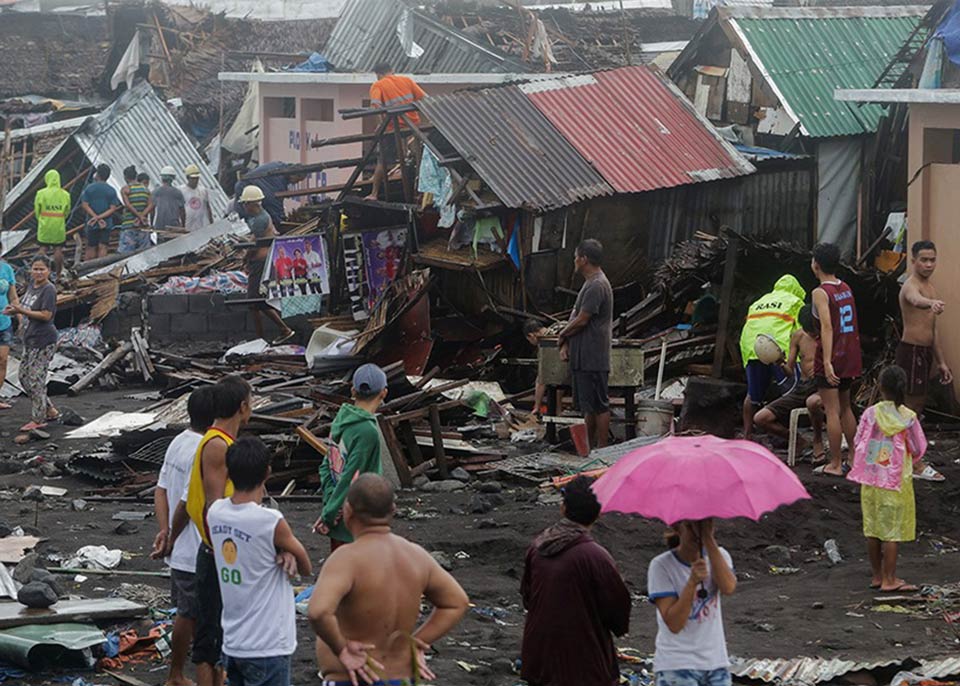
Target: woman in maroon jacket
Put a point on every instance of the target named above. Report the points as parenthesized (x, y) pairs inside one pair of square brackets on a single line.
[(575, 598)]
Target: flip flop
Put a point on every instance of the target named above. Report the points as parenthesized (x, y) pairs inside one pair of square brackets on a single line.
[(874, 587), (30, 426), (930, 474), (822, 471), (902, 588), (5, 406), (283, 338)]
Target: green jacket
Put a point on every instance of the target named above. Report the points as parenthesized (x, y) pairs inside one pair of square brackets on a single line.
[(354, 449), (51, 206), (775, 314)]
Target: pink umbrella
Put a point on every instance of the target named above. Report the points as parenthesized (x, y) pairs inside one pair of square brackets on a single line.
[(697, 477)]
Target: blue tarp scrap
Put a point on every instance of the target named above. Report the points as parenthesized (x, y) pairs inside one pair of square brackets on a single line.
[(949, 30), (316, 63), (8, 671)]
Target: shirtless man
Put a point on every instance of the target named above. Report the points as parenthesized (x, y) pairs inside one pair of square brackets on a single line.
[(367, 598), (919, 347)]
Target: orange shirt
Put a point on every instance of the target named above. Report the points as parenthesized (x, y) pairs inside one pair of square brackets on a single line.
[(396, 90)]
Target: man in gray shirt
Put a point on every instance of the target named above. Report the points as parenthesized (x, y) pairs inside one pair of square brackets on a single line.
[(169, 203), (586, 342)]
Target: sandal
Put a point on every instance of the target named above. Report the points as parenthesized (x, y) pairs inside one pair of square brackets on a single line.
[(930, 474), (283, 338)]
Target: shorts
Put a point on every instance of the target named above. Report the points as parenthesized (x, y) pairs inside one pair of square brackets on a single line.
[(134, 240), (824, 385), (258, 671), (916, 361), (6, 337), (794, 399), (183, 593), (591, 392), (96, 236), (208, 635), (759, 376), (694, 677), (53, 243), (254, 277)]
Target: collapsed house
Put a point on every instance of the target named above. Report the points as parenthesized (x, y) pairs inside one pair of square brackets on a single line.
[(771, 73), (137, 129)]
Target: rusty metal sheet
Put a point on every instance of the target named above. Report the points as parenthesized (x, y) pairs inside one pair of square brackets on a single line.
[(803, 670), (636, 128), (515, 150)]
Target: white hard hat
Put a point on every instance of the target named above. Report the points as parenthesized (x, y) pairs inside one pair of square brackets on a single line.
[(767, 349), (251, 194), (191, 170), (168, 171)]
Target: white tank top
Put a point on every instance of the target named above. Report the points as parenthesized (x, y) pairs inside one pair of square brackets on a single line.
[(258, 609)]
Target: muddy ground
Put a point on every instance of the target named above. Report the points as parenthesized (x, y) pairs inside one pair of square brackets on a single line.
[(822, 610)]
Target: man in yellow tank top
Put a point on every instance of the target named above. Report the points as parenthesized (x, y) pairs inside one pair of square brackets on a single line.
[(209, 483)]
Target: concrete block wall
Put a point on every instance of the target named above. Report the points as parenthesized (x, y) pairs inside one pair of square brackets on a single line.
[(182, 317)]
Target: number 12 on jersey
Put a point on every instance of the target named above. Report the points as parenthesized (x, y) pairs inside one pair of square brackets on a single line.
[(846, 319)]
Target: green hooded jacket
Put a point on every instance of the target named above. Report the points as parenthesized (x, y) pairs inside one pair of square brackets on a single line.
[(51, 206), (775, 314), (354, 449)]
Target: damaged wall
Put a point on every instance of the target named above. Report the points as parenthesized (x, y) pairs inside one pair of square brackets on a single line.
[(775, 204)]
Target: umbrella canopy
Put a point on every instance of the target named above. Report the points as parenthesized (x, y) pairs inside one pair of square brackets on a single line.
[(697, 477)]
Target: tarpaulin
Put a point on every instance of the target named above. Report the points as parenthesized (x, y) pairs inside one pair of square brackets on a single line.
[(217, 282), (44, 645), (316, 63), (838, 163), (949, 31)]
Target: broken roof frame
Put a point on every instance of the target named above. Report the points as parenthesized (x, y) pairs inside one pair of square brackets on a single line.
[(357, 43), (732, 20), (538, 161)]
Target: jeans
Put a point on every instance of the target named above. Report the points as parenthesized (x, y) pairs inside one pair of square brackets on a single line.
[(258, 671), (690, 677)]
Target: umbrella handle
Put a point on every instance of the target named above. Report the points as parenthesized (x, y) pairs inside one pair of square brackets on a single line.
[(702, 592)]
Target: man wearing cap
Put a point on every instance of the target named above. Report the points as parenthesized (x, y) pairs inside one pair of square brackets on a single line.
[(169, 206), (354, 449), (774, 315), (197, 200), (261, 226)]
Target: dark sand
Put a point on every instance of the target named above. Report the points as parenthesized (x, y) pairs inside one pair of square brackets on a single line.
[(808, 613)]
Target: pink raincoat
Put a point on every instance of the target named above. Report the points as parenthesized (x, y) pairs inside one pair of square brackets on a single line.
[(886, 437)]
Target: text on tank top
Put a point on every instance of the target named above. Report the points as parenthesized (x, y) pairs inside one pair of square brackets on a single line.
[(847, 360)]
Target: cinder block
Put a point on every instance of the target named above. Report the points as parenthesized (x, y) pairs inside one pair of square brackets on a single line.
[(169, 304), (206, 302), (160, 326), (225, 323), (186, 325)]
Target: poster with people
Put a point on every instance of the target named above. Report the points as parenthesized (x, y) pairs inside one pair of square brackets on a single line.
[(383, 253), (297, 266)]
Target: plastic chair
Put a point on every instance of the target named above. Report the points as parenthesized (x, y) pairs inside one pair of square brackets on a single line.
[(794, 426)]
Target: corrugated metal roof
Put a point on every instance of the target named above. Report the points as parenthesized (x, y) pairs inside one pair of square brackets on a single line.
[(807, 54), (514, 149), (139, 129), (802, 670), (366, 34), (636, 128), (938, 668)]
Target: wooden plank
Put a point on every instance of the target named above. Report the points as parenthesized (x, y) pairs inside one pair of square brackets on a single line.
[(396, 452), (122, 351), (726, 294), (15, 614), (410, 441), (439, 453), (311, 439)]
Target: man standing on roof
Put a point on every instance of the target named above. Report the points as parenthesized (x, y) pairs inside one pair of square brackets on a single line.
[(168, 200), (197, 200), (271, 178), (772, 316), (100, 202), (391, 90), (52, 205)]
